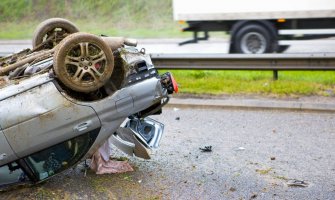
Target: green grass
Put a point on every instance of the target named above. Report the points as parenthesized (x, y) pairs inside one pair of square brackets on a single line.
[(255, 82), (25, 30), (17, 31), (108, 28), (140, 18)]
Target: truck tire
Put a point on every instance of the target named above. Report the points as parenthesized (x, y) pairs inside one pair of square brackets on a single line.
[(282, 48), (53, 30), (83, 62), (253, 38)]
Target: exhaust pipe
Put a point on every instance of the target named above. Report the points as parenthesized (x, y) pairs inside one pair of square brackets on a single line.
[(116, 42)]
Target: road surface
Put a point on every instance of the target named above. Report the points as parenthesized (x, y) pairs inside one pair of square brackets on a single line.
[(255, 154), (214, 45)]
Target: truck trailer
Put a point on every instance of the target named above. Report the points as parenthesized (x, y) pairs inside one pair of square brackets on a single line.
[(257, 26)]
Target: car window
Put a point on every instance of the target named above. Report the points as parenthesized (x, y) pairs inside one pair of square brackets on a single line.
[(11, 174), (61, 156)]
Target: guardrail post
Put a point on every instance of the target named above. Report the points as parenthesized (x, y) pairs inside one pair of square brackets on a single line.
[(275, 75)]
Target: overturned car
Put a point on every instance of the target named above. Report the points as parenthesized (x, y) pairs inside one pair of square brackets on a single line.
[(62, 100)]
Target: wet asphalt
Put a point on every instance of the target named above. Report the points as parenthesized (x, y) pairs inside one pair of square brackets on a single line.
[(255, 153)]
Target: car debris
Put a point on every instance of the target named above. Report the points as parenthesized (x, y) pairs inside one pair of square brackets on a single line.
[(253, 196), (239, 149), (63, 99), (232, 189), (206, 149), (297, 183)]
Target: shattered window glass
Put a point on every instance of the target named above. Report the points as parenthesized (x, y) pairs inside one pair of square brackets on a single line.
[(61, 156), (10, 174)]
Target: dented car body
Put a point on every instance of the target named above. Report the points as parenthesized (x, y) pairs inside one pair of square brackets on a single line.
[(46, 127)]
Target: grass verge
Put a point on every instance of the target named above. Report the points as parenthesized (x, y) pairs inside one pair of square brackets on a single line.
[(25, 30), (140, 19), (290, 83)]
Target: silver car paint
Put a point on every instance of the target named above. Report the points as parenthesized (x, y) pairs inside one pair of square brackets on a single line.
[(6, 152), (41, 117), (20, 86), (141, 95), (35, 113)]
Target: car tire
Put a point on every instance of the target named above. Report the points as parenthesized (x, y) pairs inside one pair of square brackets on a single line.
[(83, 62), (253, 38), (44, 30)]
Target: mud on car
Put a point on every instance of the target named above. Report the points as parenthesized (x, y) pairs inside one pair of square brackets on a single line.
[(61, 100)]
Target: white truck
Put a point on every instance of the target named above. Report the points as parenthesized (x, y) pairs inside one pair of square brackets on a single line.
[(256, 26)]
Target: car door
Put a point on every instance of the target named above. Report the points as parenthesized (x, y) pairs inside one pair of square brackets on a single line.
[(6, 152), (40, 117)]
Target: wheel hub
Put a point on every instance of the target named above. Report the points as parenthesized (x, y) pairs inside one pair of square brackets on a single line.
[(85, 63), (253, 42)]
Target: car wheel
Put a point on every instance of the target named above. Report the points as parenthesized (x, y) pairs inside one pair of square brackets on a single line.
[(51, 31), (253, 38), (83, 62)]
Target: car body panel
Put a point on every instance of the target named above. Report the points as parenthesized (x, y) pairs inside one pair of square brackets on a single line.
[(6, 152), (133, 98), (37, 101), (18, 86), (41, 117)]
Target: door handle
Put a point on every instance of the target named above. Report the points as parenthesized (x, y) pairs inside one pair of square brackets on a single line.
[(83, 126), (3, 156)]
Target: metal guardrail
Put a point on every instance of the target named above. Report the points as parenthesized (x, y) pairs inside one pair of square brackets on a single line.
[(317, 61), (274, 62)]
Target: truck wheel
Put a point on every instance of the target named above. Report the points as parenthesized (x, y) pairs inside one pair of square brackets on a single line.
[(282, 48), (253, 38), (52, 31), (83, 62)]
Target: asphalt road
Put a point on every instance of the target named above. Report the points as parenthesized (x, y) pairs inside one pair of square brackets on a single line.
[(216, 45), (213, 45), (255, 153)]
